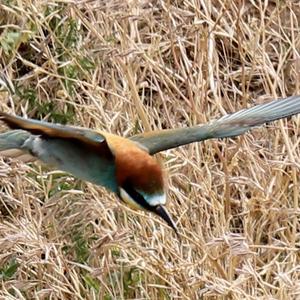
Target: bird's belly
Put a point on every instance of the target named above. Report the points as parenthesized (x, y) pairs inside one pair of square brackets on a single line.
[(74, 158)]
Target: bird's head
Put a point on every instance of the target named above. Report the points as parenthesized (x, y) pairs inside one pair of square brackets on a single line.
[(141, 182)]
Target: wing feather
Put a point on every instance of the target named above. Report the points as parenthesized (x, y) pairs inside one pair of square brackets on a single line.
[(91, 139), (227, 126)]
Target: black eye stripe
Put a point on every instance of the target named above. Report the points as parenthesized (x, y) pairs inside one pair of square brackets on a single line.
[(137, 197)]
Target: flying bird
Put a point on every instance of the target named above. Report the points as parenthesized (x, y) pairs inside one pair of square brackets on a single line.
[(126, 165)]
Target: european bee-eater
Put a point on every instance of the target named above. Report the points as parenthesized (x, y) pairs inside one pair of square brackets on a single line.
[(125, 165)]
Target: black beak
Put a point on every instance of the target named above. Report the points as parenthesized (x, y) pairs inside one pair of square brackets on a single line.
[(162, 212)]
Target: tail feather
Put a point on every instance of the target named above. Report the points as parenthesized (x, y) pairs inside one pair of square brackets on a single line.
[(13, 139), (11, 145)]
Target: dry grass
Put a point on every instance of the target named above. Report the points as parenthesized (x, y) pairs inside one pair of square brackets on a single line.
[(130, 66)]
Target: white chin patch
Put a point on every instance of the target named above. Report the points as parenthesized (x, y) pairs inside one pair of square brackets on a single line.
[(158, 199), (152, 200), (128, 200)]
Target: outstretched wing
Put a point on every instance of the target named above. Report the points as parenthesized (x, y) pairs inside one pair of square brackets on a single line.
[(90, 139), (228, 126)]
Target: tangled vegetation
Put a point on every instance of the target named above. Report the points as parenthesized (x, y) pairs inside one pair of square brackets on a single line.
[(132, 66)]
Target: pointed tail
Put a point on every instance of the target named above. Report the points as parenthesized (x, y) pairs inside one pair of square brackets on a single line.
[(11, 145), (13, 139)]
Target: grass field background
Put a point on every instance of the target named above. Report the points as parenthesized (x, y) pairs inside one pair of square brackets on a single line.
[(133, 66)]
